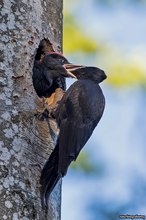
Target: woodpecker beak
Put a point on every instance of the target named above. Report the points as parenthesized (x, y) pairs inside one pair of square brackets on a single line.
[(70, 68)]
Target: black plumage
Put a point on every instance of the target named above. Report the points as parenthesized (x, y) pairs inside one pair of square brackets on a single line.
[(77, 115), (48, 74)]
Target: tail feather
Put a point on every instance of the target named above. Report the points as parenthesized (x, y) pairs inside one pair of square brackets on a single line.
[(49, 176)]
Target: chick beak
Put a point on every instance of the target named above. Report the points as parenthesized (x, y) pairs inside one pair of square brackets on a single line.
[(71, 68)]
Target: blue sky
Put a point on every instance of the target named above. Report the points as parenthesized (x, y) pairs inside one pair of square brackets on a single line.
[(120, 24), (115, 142), (118, 142)]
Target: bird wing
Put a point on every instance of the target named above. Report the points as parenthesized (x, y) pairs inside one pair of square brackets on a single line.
[(42, 80), (72, 138), (77, 121), (77, 116)]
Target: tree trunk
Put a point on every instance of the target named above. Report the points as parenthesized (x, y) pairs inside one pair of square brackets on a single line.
[(25, 142)]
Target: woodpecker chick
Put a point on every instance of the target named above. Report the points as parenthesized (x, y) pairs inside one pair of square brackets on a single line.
[(49, 78)]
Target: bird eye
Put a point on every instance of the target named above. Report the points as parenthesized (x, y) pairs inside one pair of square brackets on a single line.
[(61, 61)]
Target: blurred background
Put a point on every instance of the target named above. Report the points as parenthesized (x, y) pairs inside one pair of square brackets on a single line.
[(109, 177)]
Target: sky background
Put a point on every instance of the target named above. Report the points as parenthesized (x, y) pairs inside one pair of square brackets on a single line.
[(117, 147)]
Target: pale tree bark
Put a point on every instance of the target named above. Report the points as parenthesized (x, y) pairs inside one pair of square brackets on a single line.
[(25, 142)]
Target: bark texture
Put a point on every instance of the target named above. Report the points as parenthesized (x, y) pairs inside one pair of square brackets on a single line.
[(25, 142)]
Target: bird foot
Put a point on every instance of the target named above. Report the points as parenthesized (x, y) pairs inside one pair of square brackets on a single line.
[(47, 113), (42, 115), (52, 111)]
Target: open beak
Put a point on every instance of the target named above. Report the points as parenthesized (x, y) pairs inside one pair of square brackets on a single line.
[(71, 68)]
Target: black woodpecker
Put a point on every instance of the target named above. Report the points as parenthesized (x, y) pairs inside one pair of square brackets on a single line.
[(48, 77), (77, 115)]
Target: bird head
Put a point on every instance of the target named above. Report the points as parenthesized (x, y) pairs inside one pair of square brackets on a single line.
[(58, 62), (54, 59), (85, 72), (57, 57)]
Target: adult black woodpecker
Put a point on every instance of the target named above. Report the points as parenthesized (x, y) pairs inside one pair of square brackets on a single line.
[(77, 115), (48, 77)]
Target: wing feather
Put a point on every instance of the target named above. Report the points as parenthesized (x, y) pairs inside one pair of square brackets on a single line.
[(77, 118)]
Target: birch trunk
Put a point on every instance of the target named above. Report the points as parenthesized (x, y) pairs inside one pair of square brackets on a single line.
[(25, 142)]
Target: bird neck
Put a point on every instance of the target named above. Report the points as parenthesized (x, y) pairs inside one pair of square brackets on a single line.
[(54, 53)]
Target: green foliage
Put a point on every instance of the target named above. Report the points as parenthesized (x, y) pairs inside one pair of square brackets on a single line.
[(121, 71), (124, 71), (86, 164), (75, 40), (122, 74)]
